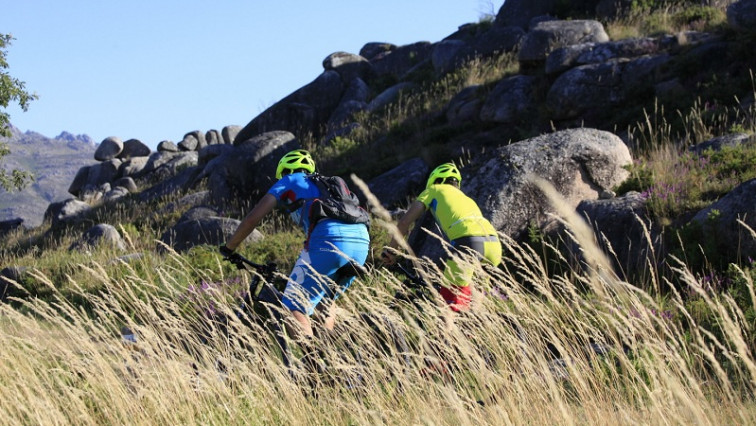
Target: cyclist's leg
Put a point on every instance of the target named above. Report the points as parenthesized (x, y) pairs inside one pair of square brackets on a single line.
[(309, 281), (492, 252), (352, 249), (460, 268), (458, 274), (490, 260), (302, 292)]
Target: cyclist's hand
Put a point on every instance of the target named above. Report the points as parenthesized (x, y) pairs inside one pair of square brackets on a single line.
[(231, 256), (388, 257)]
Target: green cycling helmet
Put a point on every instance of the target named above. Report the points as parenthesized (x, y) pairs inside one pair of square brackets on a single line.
[(443, 172), (299, 159)]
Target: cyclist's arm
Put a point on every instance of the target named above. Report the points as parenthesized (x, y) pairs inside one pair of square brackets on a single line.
[(266, 204), (414, 212)]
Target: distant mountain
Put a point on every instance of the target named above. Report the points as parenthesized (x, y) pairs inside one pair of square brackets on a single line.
[(54, 163)]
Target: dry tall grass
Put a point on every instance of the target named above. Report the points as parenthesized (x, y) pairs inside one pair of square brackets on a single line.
[(492, 365)]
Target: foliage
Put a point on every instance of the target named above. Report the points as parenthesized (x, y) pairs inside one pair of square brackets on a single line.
[(663, 360), (699, 18), (641, 177), (11, 91), (653, 17), (685, 181)]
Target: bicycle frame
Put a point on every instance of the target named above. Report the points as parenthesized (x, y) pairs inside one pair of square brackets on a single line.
[(269, 299), (415, 283)]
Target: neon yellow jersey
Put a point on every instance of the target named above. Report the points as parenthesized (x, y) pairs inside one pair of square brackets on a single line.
[(456, 213)]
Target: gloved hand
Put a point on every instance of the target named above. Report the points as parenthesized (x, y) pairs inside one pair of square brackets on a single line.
[(231, 256), (388, 257)]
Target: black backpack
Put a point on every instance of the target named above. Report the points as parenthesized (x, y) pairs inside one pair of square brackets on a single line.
[(336, 201)]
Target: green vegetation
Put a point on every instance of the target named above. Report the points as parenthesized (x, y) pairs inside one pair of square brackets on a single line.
[(680, 340), (410, 126), (11, 90)]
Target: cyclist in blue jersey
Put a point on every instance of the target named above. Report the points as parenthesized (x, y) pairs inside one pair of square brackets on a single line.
[(330, 243)]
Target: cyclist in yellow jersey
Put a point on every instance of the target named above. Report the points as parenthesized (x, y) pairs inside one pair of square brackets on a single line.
[(463, 224)]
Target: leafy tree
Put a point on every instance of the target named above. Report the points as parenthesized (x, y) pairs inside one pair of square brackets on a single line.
[(11, 90)]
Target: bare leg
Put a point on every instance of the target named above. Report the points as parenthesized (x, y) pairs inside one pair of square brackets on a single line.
[(330, 320), (304, 324)]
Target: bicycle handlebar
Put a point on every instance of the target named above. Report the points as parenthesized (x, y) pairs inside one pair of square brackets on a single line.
[(240, 261)]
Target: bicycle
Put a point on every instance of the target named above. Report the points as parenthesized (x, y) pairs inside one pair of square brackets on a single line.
[(260, 308)]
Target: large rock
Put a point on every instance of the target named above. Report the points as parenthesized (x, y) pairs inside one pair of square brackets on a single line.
[(182, 181), (470, 43), (108, 149), (373, 49), (731, 140), (510, 101), (407, 178), (190, 201), (168, 163), (389, 95), (244, 173), (343, 115), (66, 211), (134, 148), (399, 61), (354, 100), (211, 230), (79, 181), (206, 154), (213, 137), (167, 146), (548, 36), (99, 236), (192, 141), (126, 183), (465, 106), (229, 133), (720, 222), (198, 213), (523, 13), (134, 166), (518, 13), (447, 55), (496, 40), (10, 225), (97, 174), (623, 231), (565, 58), (115, 194), (589, 91), (741, 15), (348, 65), (582, 164), (303, 111)]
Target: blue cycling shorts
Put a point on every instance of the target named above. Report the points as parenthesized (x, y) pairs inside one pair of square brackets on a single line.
[(331, 246)]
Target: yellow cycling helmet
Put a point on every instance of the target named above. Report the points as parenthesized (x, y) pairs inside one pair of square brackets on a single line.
[(299, 159), (443, 172)]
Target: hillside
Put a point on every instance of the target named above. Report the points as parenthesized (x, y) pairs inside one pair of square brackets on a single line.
[(615, 156), (54, 163)]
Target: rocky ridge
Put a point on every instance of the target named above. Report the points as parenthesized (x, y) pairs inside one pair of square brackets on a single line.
[(569, 65)]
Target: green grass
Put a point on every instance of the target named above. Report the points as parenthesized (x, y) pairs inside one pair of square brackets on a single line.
[(665, 366), (682, 337)]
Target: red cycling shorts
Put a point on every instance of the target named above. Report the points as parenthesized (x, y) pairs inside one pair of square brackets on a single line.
[(458, 298)]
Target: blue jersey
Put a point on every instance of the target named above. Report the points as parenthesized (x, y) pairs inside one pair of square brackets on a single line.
[(295, 190), (329, 246)]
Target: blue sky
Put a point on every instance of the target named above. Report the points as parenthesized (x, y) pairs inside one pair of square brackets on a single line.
[(155, 70)]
